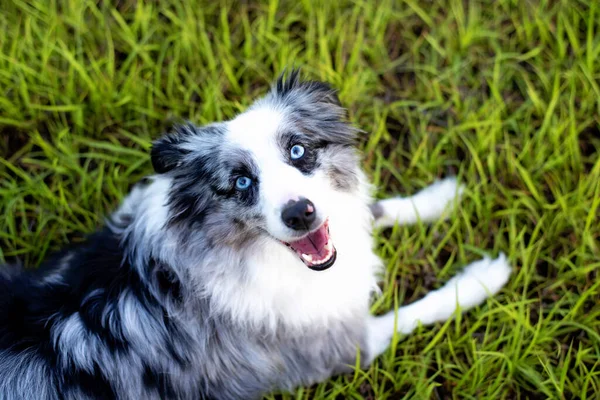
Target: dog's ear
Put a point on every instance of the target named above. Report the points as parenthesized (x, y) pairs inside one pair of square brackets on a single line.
[(321, 91), (168, 152), (165, 153), (325, 92)]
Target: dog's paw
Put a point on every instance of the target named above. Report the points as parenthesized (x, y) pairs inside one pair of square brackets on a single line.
[(427, 205), (436, 200), (477, 282), (442, 194), (491, 274)]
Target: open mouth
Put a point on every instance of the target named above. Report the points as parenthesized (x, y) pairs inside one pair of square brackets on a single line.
[(315, 249)]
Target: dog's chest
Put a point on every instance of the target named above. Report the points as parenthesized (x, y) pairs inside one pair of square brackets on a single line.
[(286, 292)]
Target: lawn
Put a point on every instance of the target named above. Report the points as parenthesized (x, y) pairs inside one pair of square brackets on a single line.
[(505, 94)]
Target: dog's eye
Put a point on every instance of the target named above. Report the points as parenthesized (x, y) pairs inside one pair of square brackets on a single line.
[(243, 183), (297, 151)]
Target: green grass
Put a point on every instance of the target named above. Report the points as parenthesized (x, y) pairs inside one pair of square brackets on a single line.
[(504, 93)]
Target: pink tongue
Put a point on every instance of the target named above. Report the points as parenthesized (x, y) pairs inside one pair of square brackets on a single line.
[(314, 243)]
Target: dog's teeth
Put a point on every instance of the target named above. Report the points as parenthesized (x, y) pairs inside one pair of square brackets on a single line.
[(307, 257)]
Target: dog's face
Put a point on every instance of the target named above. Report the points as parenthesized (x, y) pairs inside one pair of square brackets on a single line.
[(269, 173)]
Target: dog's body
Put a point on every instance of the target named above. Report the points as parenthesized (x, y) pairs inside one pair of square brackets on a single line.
[(244, 266)]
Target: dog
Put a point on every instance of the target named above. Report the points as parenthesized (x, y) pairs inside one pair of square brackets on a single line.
[(243, 266)]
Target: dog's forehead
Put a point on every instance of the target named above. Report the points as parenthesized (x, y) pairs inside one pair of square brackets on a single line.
[(256, 130)]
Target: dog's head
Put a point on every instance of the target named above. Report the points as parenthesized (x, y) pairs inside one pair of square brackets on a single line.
[(271, 172)]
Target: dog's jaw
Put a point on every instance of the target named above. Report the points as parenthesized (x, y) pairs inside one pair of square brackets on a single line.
[(315, 249)]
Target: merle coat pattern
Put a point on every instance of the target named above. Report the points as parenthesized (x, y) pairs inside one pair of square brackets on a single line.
[(188, 292)]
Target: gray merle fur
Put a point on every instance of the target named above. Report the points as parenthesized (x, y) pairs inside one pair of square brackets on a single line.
[(120, 317)]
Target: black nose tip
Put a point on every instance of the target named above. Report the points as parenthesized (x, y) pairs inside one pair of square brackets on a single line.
[(299, 215)]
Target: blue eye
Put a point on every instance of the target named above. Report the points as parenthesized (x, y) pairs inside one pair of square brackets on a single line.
[(297, 151), (243, 183)]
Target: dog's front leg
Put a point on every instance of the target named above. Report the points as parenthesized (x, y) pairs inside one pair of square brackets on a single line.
[(427, 205), (471, 287)]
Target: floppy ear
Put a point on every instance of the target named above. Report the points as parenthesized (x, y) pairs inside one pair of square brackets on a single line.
[(167, 153)]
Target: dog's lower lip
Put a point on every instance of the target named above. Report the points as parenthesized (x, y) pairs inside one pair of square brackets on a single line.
[(315, 249), (322, 263), (327, 264)]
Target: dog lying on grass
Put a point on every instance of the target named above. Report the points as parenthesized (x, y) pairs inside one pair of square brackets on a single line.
[(242, 267)]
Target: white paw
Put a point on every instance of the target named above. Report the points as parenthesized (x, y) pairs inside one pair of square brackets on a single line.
[(426, 206), (491, 274), (478, 281), (439, 197)]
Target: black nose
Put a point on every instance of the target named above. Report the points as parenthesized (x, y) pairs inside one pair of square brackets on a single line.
[(299, 215)]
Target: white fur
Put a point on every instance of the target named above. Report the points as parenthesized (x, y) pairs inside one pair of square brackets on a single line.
[(473, 286), (280, 291), (256, 131), (249, 315), (280, 288), (427, 206), (150, 204)]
